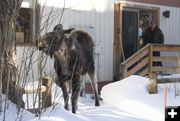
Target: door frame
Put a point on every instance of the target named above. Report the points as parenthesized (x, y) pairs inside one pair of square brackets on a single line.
[(118, 56)]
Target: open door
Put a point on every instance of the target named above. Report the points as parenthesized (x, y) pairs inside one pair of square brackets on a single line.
[(129, 32)]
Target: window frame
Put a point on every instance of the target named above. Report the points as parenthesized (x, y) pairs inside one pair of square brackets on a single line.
[(34, 25)]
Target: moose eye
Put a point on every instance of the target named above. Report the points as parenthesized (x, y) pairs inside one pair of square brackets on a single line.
[(62, 49)]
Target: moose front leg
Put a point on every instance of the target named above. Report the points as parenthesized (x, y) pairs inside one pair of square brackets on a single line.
[(65, 89), (76, 83)]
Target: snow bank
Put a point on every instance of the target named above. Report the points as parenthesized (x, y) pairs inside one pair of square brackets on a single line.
[(10, 112), (131, 95), (125, 100), (58, 114)]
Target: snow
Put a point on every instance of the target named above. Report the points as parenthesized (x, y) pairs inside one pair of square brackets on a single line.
[(132, 96), (125, 100), (10, 114)]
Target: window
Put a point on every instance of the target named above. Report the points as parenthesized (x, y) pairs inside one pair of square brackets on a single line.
[(26, 23)]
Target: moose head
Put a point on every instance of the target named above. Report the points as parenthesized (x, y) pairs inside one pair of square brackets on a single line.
[(57, 44)]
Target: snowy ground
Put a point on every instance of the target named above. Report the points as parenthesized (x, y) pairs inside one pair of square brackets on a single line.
[(125, 100)]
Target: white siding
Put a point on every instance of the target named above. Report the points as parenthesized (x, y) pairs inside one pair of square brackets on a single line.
[(171, 26), (28, 60)]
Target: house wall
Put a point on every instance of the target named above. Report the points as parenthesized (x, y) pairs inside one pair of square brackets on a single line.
[(97, 17), (29, 61)]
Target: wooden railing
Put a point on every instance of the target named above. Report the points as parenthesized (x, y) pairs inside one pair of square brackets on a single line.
[(141, 63)]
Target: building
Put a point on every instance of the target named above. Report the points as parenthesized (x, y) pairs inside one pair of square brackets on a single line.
[(110, 22)]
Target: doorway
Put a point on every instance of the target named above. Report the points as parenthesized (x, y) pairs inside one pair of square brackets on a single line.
[(126, 25), (129, 32)]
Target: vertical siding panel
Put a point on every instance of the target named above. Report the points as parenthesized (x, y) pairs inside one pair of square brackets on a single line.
[(109, 36), (98, 38), (177, 14), (178, 19), (108, 40), (104, 40), (172, 25), (106, 36), (111, 31), (100, 30), (95, 23), (174, 30)]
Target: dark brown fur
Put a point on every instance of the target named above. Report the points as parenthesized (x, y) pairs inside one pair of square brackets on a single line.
[(73, 57)]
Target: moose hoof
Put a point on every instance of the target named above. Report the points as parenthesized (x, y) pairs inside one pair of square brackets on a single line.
[(97, 104), (66, 107)]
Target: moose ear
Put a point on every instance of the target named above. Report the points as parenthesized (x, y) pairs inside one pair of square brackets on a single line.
[(58, 27), (68, 42), (68, 30)]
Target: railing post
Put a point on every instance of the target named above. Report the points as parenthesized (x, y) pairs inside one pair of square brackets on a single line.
[(153, 83), (46, 96), (150, 60), (123, 71)]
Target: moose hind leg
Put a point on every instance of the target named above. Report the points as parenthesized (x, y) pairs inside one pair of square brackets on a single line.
[(76, 83), (93, 81), (65, 89)]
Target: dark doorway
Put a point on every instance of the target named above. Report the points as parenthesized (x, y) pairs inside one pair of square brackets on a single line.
[(129, 32)]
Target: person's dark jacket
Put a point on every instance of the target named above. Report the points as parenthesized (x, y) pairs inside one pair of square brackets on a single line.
[(153, 36)]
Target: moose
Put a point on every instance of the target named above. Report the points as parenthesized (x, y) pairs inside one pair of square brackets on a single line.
[(72, 51)]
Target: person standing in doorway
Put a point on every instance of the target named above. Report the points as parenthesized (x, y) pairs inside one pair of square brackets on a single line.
[(154, 35), (140, 34)]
